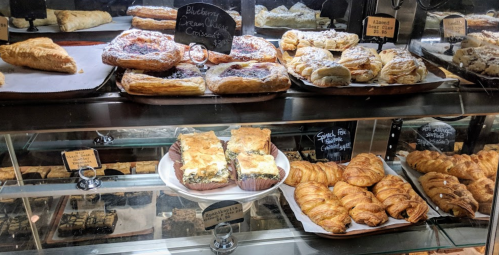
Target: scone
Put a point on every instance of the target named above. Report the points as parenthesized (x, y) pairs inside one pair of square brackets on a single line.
[(70, 21), (364, 63), (246, 48), (329, 40), (399, 66)]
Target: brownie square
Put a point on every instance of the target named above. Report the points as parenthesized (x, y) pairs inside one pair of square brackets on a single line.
[(7, 173), (139, 198), (58, 172), (121, 167), (102, 222), (72, 224), (41, 202), (35, 172), (293, 156), (114, 199), (19, 226), (4, 226), (183, 223)]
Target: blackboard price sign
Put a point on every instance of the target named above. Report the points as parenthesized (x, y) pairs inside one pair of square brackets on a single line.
[(333, 143), (29, 9), (205, 24), (223, 211), (380, 28), (334, 9), (436, 136)]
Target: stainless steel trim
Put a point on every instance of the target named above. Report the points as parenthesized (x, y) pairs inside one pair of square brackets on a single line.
[(248, 17)]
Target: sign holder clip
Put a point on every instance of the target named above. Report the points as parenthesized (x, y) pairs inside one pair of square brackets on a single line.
[(88, 183), (223, 241), (200, 64)]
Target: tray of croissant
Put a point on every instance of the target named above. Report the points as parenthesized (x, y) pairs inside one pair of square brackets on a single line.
[(457, 185), (362, 197)]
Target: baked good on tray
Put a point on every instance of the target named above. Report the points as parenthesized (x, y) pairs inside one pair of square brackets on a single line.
[(256, 172), (400, 200), (58, 172), (19, 226), (293, 155), (146, 167), (38, 53), (101, 222), (23, 23), (482, 60), (70, 21), (153, 24), (247, 77), (35, 172), (152, 12), (237, 18), (246, 48), (480, 21), (448, 194), (399, 66), (298, 16), (487, 161), (248, 139), (364, 63), (364, 170), (483, 38), (7, 173), (483, 192), (329, 40), (362, 205), (319, 67), (183, 79), (4, 226), (72, 224), (303, 171), (143, 50)]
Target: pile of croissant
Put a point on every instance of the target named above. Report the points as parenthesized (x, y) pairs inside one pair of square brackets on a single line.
[(458, 184), (362, 192)]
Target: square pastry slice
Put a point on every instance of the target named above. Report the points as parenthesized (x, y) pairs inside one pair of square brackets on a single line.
[(58, 172), (256, 172), (248, 139), (146, 167), (72, 224), (101, 222)]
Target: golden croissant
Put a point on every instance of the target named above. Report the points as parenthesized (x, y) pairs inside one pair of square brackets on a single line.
[(448, 194), (483, 192), (400, 200), (487, 161), (362, 205), (302, 171), (322, 207), (364, 170)]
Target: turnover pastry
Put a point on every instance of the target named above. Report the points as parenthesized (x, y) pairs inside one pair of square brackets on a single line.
[(183, 79), (448, 194), (144, 50), (318, 67), (247, 77), (362, 205), (23, 23), (246, 48), (400, 200), (483, 192), (329, 40), (38, 53), (322, 207), (152, 12), (364, 170), (70, 21), (483, 60), (399, 66), (364, 63), (152, 24), (483, 38), (303, 171)]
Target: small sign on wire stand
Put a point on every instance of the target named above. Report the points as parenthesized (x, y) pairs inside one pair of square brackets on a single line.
[(453, 29), (29, 10), (380, 28)]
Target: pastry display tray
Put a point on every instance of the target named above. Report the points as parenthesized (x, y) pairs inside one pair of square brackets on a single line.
[(22, 83), (355, 229), (414, 175), (118, 24)]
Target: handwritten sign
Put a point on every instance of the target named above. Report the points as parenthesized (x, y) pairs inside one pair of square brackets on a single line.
[(205, 24), (4, 29), (32, 9), (224, 211), (436, 136), (380, 26), (77, 159), (333, 143), (453, 26)]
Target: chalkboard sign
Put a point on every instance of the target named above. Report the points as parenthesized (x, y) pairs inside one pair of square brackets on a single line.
[(29, 9), (205, 24), (334, 9), (223, 211), (436, 136), (333, 143)]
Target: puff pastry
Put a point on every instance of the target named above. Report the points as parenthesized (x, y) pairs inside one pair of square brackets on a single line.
[(448, 194), (318, 67), (483, 60), (247, 77), (364, 63), (399, 66), (322, 207), (237, 18), (362, 205), (487, 161), (400, 200), (483, 192), (143, 50), (364, 170), (23, 23), (303, 171), (246, 48), (70, 21), (329, 40), (298, 16), (152, 12), (480, 21), (183, 79), (39, 53), (152, 24), (483, 38)]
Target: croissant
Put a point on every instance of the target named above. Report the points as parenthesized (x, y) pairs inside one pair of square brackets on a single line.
[(302, 171), (361, 204), (334, 172), (487, 161), (322, 207), (364, 63), (364, 170), (399, 66), (448, 194), (465, 168), (483, 192), (400, 200)]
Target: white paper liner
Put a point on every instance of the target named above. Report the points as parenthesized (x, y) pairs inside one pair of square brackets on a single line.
[(309, 226), (27, 80), (414, 177), (118, 24)]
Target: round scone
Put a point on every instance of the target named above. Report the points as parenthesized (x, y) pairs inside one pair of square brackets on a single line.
[(247, 48), (247, 77), (144, 50)]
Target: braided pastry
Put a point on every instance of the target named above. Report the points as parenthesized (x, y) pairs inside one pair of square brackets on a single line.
[(322, 207), (487, 161), (483, 192), (362, 205), (400, 200), (448, 194), (364, 170), (303, 171)]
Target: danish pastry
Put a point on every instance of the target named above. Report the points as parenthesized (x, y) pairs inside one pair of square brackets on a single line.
[(487, 161), (303, 171), (483, 192), (364, 63), (38, 53), (364, 170), (246, 48), (399, 66), (247, 77), (152, 24), (183, 79), (481, 60), (70, 21), (329, 40), (23, 23), (143, 50), (152, 12), (318, 66)]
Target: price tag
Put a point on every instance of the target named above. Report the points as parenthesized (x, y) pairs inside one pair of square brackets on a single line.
[(224, 211), (4, 29), (76, 159), (205, 24), (381, 26), (32, 9), (333, 143), (436, 136), (453, 26)]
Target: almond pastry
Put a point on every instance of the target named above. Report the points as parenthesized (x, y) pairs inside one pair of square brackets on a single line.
[(399, 66), (364, 63), (329, 40), (246, 48), (70, 21)]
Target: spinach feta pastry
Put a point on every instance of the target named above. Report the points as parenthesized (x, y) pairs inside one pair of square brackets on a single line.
[(250, 140), (256, 172)]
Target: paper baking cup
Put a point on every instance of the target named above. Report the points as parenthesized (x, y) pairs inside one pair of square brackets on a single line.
[(260, 184)]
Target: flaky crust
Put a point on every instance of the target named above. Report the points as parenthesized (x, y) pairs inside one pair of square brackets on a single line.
[(481, 60), (362, 205), (273, 79), (247, 48), (143, 50), (322, 207), (483, 192), (70, 21), (364, 170), (329, 40), (249, 139), (448, 194), (152, 24), (487, 161), (39, 53), (400, 200), (401, 67), (483, 38), (303, 171), (152, 12), (364, 63), (23, 23)]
